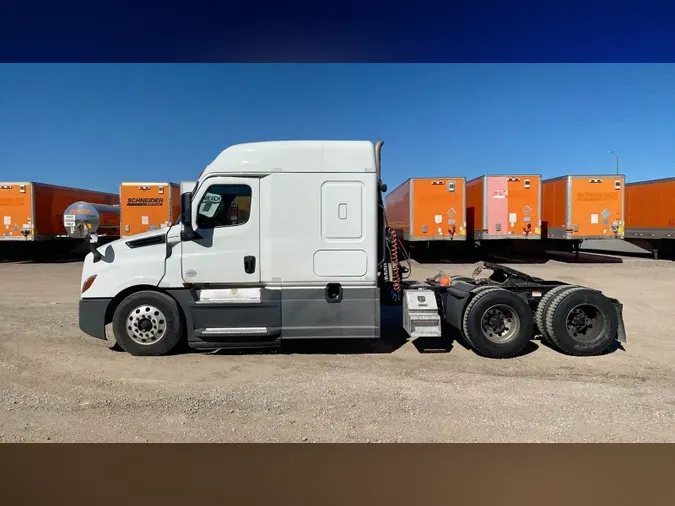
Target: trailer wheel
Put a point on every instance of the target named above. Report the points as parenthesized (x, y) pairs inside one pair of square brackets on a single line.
[(498, 323), (581, 322), (148, 323), (544, 303)]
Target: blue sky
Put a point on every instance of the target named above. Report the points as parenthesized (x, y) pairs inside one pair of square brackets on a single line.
[(92, 126)]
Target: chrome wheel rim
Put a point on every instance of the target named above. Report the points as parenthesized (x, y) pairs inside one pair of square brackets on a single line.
[(146, 325), (500, 324)]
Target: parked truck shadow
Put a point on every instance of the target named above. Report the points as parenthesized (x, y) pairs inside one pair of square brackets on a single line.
[(613, 347), (387, 344), (57, 251), (48, 252), (39, 258), (393, 338), (629, 254)]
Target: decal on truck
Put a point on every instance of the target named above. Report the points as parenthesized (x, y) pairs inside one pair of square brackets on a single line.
[(210, 204), (145, 201)]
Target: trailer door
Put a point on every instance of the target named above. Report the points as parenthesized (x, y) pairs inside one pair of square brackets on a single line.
[(226, 211), (16, 210)]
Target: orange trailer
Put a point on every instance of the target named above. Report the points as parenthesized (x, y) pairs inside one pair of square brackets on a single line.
[(650, 209), (148, 206), (578, 207), (504, 207), (34, 211), (428, 209), (650, 213)]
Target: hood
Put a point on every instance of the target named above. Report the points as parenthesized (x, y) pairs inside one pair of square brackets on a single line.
[(131, 259), (130, 244)]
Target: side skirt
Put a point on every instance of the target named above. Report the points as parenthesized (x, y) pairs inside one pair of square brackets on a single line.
[(230, 317), (261, 317)]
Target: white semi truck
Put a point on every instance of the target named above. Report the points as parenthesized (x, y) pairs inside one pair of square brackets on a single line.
[(289, 240)]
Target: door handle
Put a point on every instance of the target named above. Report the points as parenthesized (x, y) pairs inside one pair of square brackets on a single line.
[(249, 264), (333, 292)]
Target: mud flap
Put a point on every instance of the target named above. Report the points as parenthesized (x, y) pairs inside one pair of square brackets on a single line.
[(621, 328), (454, 302)]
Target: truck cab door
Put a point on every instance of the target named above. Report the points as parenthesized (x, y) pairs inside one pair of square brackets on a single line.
[(226, 215)]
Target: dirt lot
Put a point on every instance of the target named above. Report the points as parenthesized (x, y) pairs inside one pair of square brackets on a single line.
[(57, 384)]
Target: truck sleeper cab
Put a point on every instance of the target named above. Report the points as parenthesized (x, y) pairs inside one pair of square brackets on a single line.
[(288, 240)]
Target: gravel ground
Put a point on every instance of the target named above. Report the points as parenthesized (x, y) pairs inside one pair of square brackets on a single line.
[(57, 384)]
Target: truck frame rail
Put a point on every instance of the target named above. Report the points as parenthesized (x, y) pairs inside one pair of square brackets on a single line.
[(499, 314)]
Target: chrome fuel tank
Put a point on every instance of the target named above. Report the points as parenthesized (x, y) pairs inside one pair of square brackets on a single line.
[(83, 218)]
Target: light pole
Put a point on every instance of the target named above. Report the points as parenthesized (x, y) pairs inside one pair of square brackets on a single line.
[(610, 152)]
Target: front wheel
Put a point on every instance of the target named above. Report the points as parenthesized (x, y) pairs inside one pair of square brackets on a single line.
[(148, 323), (498, 323)]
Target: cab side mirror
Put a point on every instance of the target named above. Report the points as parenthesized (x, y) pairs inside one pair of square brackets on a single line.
[(188, 233)]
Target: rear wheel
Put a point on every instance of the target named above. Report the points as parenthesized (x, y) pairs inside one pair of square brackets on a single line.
[(498, 323), (482, 288), (147, 323), (542, 308), (581, 322)]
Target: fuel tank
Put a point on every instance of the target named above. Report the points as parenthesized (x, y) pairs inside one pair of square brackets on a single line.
[(83, 218)]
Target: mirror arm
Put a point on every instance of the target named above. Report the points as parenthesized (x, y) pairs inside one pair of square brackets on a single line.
[(189, 235)]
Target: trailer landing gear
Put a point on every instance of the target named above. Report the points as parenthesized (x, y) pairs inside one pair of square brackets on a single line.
[(577, 246)]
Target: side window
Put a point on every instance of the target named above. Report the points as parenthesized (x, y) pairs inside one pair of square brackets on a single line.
[(224, 205)]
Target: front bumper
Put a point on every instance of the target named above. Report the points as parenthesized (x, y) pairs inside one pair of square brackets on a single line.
[(92, 316)]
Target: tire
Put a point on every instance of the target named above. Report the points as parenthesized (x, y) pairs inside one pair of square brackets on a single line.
[(482, 288), (467, 279), (544, 303), (476, 290), (581, 301), (500, 303), (132, 315)]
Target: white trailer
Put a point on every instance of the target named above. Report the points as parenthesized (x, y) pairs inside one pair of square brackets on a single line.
[(310, 255), (187, 186)]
